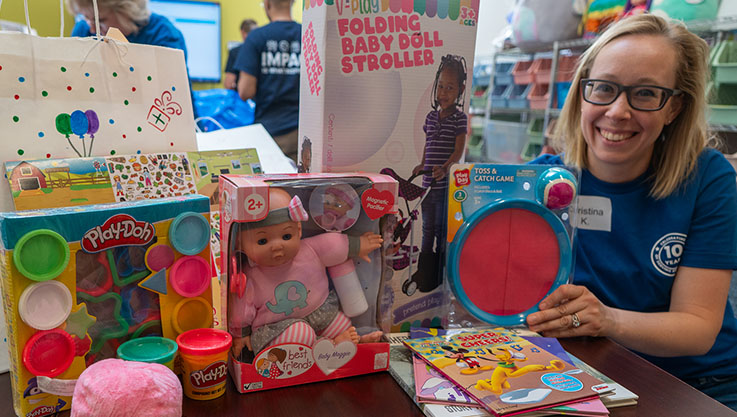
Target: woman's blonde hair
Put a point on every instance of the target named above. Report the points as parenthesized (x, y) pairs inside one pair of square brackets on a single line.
[(674, 158), (134, 10)]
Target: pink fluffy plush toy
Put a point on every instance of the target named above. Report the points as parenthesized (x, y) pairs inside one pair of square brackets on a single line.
[(118, 388)]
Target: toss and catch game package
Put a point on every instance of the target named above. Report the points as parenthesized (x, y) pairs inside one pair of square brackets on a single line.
[(385, 87)]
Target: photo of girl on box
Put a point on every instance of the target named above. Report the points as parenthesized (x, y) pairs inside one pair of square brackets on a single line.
[(445, 128)]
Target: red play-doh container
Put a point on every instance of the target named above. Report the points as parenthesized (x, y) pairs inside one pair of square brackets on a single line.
[(204, 354)]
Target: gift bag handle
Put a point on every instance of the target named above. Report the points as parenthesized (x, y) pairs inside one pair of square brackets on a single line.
[(61, 17), (208, 118)]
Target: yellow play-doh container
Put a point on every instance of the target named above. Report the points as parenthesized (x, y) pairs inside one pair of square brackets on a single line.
[(204, 354)]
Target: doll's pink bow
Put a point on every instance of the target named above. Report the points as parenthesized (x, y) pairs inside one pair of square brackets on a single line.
[(238, 279), (296, 212)]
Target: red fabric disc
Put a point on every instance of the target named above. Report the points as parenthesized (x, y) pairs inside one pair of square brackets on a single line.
[(509, 261)]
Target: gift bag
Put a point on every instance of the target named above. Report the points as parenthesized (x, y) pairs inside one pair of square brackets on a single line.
[(69, 97)]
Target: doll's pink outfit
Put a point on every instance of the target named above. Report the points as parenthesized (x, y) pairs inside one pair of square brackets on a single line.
[(295, 293)]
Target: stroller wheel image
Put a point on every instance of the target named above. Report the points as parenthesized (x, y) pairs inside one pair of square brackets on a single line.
[(409, 287)]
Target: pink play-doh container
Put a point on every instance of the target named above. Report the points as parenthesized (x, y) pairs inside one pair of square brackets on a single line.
[(190, 276)]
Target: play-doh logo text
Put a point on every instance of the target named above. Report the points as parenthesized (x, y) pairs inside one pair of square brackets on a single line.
[(41, 411), (118, 230), (214, 374)]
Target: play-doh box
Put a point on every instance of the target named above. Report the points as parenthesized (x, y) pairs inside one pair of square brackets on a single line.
[(78, 282)]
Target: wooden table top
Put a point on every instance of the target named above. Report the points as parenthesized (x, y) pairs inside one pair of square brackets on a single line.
[(661, 394)]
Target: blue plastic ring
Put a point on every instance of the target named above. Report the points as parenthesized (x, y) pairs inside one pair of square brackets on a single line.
[(456, 247)]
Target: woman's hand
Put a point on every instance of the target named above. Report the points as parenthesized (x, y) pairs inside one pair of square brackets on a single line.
[(571, 310)]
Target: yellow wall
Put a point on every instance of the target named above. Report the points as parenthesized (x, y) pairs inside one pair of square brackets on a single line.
[(44, 15)]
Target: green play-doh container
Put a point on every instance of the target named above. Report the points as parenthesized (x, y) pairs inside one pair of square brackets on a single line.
[(151, 349), (41, 255)]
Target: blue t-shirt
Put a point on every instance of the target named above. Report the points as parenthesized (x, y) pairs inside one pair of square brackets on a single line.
[(632, 265), (159, 31), (271, 54), (440, 142)]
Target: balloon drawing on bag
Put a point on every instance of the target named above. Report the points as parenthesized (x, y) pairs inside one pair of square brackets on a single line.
[(93, 121), (63, 125), (79, 123)]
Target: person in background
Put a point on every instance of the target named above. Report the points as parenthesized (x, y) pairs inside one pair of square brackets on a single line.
[(231, 74), (133, 19), (268, 62), (655, 256)]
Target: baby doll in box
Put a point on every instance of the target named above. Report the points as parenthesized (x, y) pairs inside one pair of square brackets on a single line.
[(281, 292)]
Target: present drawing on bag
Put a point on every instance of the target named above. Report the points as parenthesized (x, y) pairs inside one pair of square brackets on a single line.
[(157, 116)]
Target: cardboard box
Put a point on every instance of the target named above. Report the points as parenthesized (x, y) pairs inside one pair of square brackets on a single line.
[(369, 74), (78, 282), (510, 238), (272, 286)]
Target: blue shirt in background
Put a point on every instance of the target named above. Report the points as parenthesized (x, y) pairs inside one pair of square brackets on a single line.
[(159, 31), (271, 54)]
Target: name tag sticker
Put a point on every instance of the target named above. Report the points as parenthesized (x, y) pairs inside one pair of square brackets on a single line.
[(594, 213)]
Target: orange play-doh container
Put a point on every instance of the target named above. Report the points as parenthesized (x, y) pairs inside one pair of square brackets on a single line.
[(204, 354)]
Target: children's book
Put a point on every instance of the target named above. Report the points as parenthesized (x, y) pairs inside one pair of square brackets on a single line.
[(63, 182), (430, 385), (396, 339), (457, 410), (503, 372), (433, 388), (452, 410), (619, 396)]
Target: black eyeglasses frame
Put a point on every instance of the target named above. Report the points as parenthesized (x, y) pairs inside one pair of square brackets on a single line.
[(669, 92)]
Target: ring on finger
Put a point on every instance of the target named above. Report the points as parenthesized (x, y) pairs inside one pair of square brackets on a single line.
[(575, 322)]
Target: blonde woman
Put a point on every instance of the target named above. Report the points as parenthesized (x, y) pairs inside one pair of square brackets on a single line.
[(657, 237), (132, 17)]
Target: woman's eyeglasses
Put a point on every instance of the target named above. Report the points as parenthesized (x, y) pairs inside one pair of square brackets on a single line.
[(640, 97)]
